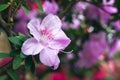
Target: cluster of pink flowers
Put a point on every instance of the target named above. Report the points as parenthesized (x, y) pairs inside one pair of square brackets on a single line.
[(92, 50), (48, 39)]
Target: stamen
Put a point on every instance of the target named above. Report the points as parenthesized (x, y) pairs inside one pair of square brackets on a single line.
[(46, 36), (66, 51)]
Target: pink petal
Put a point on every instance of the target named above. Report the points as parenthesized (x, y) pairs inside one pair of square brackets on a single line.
[(110, 9), (31, 47), (49, 57), (110, 2), (60, 41), (34, 26), (52, 23)]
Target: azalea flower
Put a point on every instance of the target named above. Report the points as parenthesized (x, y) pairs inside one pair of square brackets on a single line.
[(48, 39), (92, 50)]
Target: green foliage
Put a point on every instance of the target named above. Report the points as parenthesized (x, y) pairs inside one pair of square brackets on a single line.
[(15, 41), (89, 74), (4, 55), (16, 62), (3, 77), (21, 37), (18, 40), (13, 53), (12, 74), (39, 5), (3, 7), (29, 64), (22, 55), (26, 7), (117, 55)]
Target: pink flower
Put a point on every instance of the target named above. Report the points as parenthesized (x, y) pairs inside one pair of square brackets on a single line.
[(50, 7), (114, 48), (92, 50), (20, 26), (110, 9), (58, 76), (108, 2), (48, 39), (100, 74), (21, 14), (5, 61), (116, 24)]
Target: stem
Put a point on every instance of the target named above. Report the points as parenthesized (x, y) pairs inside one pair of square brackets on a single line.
[(2, 22), (5, 25), (67, 9), (34, 60), (17, 8)]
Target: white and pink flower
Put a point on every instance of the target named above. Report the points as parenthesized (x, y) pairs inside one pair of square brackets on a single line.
[(48, 39)]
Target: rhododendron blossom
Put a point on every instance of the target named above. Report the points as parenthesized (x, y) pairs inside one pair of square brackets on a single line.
[(92, 50), (48, 39)]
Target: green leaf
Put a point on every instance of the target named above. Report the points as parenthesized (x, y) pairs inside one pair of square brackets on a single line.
[(14, 53), (29, 64), (24, 4), (22, 55), (89, 74), (12, 74), (15, 41), (16, 62), (21, 36), (39, 5), (117, 55), (26, 10), (4, 55), (3, 77), (3, 7)]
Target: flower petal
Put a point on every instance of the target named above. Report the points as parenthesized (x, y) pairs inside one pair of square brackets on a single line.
[(49, 57), (60, 41), (110, 9), (34, 26), (31, 47), (52, 23), (108, 2)]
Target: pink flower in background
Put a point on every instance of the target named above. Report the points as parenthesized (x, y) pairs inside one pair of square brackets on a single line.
[(114, 48), (50, 7), (108, 2), (100, 38), (39, 69), (33, 5), (116, 24), (5, 61), (59, 76), (100, 74), (99, 14), (32, 14), (80, 7), (21, 24), (21, 27), (110, 9), (102, 13), (108, 6), (48, 39), (21, 14), (92, 50), (75, 24)]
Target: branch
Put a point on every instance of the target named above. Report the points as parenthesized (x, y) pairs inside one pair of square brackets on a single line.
[(67, 9), (2, 22)]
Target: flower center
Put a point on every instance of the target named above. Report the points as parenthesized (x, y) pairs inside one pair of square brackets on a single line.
[(46, 36)]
